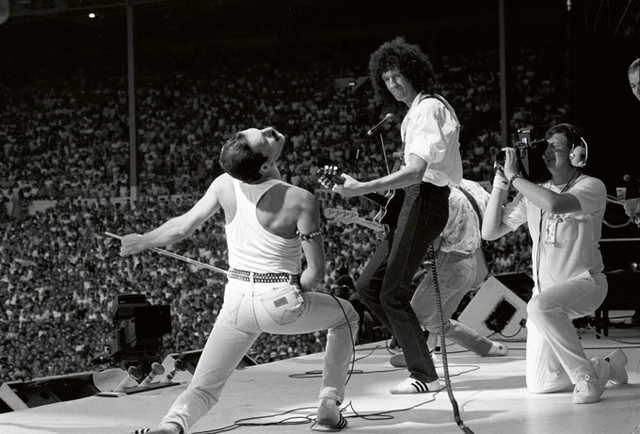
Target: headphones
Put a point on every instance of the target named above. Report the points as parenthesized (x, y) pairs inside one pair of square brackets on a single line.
[(579, 148)]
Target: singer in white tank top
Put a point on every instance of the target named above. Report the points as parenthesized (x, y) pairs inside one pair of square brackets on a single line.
[(270, 224)]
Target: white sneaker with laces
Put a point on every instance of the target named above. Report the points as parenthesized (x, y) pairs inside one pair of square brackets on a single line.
[(411, 385), (618, 362), (587, 390)]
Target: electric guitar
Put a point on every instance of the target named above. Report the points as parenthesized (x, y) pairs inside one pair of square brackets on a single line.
[(389, 204), (350, 216)]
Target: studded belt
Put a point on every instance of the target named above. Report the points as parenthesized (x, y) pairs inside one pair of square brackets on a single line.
[(249, 276)]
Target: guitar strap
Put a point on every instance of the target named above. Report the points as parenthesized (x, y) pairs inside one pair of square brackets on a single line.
[(473, 202), (443, 101), (425, 96)]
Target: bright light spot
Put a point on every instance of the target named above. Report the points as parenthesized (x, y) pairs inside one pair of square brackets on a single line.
[(92, 15)]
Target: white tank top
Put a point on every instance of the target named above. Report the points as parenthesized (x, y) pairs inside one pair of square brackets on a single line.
[(252, 247)]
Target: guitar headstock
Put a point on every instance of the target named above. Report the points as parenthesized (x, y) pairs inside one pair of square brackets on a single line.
[(328, 176)]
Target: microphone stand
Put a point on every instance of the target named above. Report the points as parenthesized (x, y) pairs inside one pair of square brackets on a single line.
[(384, 153)]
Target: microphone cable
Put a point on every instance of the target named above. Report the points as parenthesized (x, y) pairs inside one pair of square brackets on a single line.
[(443, 347), (353, 347), (353, 341)]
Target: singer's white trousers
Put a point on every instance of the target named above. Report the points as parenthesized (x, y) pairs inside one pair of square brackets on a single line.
[(555, 357), (278, 308)]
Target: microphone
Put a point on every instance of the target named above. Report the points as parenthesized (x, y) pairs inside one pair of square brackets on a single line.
[(386, 118), (628, 178)]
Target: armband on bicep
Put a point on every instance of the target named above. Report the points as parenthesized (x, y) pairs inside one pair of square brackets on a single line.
[(312, 235)]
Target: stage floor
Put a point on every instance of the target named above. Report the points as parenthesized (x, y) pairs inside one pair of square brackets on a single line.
[(490, 394)]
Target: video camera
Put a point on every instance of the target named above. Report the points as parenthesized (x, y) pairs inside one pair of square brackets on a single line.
[(529, 154)]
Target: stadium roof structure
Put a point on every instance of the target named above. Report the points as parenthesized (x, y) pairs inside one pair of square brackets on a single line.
[(23, 8), (601, 18)]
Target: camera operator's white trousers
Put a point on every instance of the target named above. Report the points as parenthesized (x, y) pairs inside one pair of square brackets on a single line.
[(555, 357), (278, 308)]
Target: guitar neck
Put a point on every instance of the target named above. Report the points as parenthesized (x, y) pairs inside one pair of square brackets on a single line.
[(389, 204), (368, 224), (351, 217)]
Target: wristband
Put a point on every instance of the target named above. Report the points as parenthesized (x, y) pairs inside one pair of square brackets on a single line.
[(500, 182)]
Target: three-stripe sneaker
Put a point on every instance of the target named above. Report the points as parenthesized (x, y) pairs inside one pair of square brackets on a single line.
[(328, 417), (411, 385)]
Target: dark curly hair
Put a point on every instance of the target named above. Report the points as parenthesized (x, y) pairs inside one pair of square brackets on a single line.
[(238, 159), (409, 60)]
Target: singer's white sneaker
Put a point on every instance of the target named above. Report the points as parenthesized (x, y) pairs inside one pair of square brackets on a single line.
[(411, 385), (139, 431), (328, 417)]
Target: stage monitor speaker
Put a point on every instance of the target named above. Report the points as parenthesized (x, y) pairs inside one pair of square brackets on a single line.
[(191, 358), (521, 284), (4, 407), (20, 395), (497, 310)]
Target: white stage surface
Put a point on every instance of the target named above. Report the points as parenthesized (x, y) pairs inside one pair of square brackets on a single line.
[(490, 394)]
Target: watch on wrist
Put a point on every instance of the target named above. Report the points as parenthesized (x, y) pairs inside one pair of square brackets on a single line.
[(514, 177)]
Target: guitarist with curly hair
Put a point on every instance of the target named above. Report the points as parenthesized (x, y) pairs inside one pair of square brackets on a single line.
[(401, 73)]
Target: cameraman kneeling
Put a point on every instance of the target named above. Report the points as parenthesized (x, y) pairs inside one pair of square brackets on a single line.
[(564, 217)]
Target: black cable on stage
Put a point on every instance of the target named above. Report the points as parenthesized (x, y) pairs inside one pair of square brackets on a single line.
[(249, 421), (506, 337), (443, 346), (628, 344), (318, 372), (383, 415), (310, 419)]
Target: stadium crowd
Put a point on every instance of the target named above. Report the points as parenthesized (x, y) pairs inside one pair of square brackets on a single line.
[(66, 141)]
